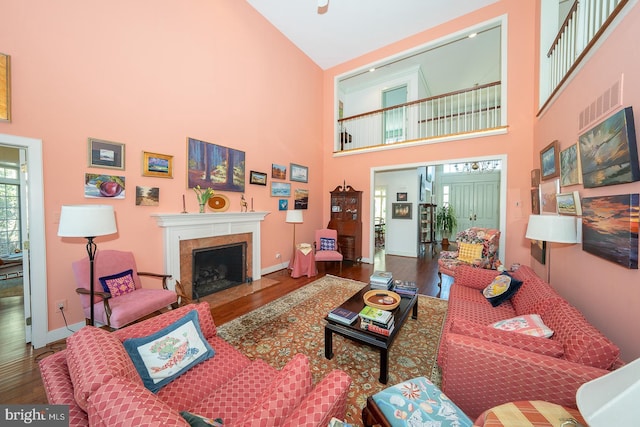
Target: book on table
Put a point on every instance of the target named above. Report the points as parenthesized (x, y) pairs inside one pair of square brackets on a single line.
[(377, 329), (381, 277), (387, 325), (375, 314), (343, 315), (381, 286)]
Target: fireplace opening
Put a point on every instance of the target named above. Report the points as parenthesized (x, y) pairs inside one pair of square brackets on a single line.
[(218, 268)]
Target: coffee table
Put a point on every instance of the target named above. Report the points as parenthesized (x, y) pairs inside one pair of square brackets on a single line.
[(355, 333)]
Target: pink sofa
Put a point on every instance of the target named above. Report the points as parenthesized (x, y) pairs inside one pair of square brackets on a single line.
[(96, 378), (483, 367)]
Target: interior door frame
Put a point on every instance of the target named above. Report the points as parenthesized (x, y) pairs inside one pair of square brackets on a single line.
[(37, 241), (503, 193)]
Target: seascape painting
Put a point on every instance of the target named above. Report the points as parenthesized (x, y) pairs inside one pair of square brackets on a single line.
[(610, 228), (608, 152), (214, 166)]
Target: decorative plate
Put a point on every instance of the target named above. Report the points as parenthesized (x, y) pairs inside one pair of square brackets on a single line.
[(384, 300), (219, 203)]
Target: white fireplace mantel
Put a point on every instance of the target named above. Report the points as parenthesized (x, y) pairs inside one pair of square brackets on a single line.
[(187, 226)]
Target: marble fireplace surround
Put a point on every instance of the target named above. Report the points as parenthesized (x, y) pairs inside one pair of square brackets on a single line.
[(193, 230)]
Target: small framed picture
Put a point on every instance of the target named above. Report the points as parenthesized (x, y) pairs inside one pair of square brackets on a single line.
[(535, 178), (535, 201), (5, 88), (278, 171), (570, 169), (550, 161), (147, 196), (548, 192), (283, 204), (401, 197), (299, 173), (98, 186), (300, 198), (569, 203), (401, 210), (257, 178), (105, 154), (157, 165), (280, 189)]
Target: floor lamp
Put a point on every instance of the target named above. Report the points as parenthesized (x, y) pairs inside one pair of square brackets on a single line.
[(294, 217), (553, 229), (88, 221)]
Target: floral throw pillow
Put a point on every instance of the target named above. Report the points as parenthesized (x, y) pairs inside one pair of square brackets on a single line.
[(530, 324), (118, 284)]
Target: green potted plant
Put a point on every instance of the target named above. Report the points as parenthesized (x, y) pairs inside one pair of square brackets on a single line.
[(445, 223)]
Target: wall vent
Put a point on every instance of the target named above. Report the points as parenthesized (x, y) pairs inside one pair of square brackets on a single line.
[(610, 100)]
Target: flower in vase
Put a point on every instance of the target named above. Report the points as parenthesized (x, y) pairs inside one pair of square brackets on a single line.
[(203, 195)]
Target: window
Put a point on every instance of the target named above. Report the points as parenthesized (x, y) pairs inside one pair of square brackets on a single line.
[(380, 202), (10, 233)]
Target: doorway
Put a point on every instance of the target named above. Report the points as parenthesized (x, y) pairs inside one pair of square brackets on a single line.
[(32, 235)]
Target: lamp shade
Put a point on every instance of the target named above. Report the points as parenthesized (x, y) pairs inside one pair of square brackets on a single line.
[(294, 216), (552, 228), (612, 399), (86, 221)]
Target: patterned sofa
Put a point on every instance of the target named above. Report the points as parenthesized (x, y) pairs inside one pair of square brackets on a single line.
[(483, 367), (96, 377)]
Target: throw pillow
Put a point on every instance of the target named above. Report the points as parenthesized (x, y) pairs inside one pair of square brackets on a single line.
[(327, 244), (469, 252), (196, 420), (118, 284), (530, 324), (501, 289), (163, 356)]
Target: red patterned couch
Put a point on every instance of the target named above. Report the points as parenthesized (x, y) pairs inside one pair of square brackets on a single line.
[(483, 367), (96, 378)]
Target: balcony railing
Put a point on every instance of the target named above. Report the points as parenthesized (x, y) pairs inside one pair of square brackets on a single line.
[(585, 23), (463, 111)]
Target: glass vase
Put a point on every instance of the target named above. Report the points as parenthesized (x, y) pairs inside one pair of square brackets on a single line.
[(202, 207)]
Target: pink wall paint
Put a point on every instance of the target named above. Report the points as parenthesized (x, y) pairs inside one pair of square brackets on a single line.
[(516, 144), (150, 74), (607, 294)]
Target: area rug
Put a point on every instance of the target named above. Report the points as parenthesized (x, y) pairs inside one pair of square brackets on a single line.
[(295, 324), (11, 287)]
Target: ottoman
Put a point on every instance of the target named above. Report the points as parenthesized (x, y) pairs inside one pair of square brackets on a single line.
[(414, 402)]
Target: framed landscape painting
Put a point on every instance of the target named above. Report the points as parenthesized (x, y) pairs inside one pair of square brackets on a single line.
[(609, 153), (215, 166), (549, 161), (569, 203), (157, 165), (570, 173), (610, 228)]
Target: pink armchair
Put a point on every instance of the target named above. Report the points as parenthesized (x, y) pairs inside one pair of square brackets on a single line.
[(488, 239), (118, 311), (326, 246)]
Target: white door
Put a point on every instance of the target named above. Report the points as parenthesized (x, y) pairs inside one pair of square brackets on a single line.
[(476, 204)]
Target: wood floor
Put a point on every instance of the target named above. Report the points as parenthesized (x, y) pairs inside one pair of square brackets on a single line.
[(21, 382)]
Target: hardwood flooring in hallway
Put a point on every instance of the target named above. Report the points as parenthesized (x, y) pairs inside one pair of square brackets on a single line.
[(21, 382)]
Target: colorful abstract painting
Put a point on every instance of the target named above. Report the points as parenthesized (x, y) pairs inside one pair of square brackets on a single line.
[(608, 152), (610, 228)]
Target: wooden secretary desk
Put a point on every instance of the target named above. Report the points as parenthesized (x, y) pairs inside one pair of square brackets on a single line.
[(346, 211)]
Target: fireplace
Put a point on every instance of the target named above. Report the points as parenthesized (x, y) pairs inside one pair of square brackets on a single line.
[(218, 268)]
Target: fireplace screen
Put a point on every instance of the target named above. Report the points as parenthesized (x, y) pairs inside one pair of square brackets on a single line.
[(218, 268)]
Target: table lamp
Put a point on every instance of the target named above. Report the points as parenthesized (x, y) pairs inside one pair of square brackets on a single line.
[(552, 228), (88, 221), (294, 217)]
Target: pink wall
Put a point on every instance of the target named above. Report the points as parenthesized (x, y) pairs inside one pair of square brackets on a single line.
[(150, 74), (516, 143), (607, 294)]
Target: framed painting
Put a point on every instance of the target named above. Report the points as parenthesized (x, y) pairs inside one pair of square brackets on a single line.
[(299, 173), (401, 197), (5, 88), (214, 166), (401, 210), (157, 165), (570, 173), (609, 153), (569, 203), (278, 171), (535, 201), (535, 178), (539, 250), (300, 198), (147, 196), (610, 228), (283, 204), (105, 154), (280, 189), (257, 178), (549, 161), (548, 192), (98, 186)]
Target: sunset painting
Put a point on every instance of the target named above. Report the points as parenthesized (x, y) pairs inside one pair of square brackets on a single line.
[(610, 228)]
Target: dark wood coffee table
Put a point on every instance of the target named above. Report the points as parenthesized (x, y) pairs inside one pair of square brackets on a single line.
[(355, 333)]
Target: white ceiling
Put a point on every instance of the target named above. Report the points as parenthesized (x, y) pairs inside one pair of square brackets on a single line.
[(351, 28)]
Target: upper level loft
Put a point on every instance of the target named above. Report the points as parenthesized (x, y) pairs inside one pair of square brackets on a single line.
[(456, 87)]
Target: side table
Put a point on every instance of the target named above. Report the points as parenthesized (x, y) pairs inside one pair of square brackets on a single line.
[(303, 261)]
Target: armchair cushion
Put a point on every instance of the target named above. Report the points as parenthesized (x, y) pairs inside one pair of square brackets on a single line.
[(161, 357), (118, 284)]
